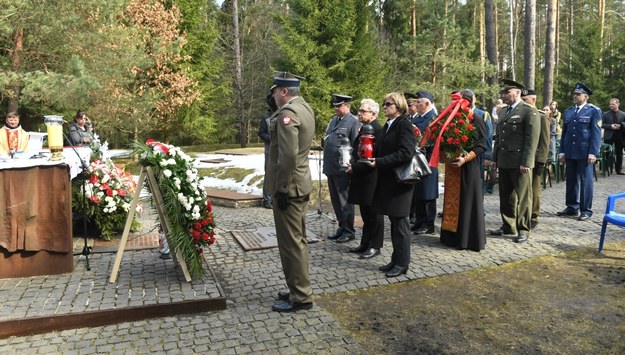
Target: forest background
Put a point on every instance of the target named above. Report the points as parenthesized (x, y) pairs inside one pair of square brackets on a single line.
[(195, 72)]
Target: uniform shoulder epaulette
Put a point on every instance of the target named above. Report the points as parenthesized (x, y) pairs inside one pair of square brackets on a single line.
[(593, 106)]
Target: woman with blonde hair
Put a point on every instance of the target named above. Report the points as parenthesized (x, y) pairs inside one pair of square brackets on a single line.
[(394, 147)]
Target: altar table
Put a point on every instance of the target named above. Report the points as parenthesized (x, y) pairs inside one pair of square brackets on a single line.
[(35, 220)]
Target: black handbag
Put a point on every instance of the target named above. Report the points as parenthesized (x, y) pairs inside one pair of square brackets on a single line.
[(414, 170)]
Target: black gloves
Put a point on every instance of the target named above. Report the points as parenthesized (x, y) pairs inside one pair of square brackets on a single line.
[(282, 200)]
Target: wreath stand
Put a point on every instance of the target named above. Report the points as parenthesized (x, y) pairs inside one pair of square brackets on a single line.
[(165, 223)]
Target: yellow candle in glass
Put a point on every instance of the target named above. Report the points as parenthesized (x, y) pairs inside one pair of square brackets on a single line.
[(55, 136)]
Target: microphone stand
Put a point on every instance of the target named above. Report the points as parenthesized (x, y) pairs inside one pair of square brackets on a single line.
[(86, 250), (319, 211)]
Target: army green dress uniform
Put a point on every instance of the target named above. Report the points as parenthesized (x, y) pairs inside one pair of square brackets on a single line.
[(292, 128), (518, 132)]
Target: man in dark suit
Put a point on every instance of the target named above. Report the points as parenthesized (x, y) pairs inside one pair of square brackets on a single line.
[(613, 124), (292, 129), (342, 125), (426, 189), (581, 140), (363, 182), (518, 132), (542, 152)]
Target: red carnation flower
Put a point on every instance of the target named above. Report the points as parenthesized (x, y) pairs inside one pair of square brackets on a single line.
[(93, 179), (460, 121), (197, 226), (121, 193), (452, 125), (109, 192), (450, 141), (209, 206), (464, 139), (456, 131), (457, 141), (205, 236), (94, 199), (470, 127)]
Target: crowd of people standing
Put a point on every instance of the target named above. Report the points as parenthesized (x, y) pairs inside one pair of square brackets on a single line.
[(515, 142)]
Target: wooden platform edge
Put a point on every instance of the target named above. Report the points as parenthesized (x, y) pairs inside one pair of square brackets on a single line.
[(38, 325)]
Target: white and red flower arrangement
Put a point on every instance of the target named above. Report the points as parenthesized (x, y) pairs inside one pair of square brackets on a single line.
[(108, 192), (188, 208)]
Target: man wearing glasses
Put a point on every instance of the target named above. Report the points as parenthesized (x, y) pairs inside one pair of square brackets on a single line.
[(342, 125)]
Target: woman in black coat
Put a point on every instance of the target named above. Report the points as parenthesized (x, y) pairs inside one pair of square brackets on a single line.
[(394, 147), (363, 180)]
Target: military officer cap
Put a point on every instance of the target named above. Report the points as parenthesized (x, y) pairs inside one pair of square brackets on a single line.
[(424, 95), (410, 97), (338, 99), (581, 88), (528, 92), (285, 80), (509, 84)]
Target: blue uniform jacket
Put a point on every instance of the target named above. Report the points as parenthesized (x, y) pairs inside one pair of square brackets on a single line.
[(581, 134)]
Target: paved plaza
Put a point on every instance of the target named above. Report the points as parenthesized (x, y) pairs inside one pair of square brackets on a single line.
[(252, 279)]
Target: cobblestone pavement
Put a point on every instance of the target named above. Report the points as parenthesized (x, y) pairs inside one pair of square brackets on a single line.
[(251, 280)]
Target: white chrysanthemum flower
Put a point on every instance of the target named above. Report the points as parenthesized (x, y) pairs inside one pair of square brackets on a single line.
[(105, 178), (196, 208), (99, 194), (163, 162), (171, 161), (167, 173), (195, 215)]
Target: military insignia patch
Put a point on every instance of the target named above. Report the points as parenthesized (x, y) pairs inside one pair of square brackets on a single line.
[(286, 120)]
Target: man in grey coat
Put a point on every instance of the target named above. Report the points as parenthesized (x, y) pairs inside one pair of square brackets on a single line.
[(342, 129)]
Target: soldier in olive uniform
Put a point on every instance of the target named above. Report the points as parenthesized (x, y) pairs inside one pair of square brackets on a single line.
[(343, 125), (292, 129), (529, 96), (518, 132), (581, 140)]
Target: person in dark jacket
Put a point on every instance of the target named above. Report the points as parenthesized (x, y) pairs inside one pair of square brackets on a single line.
[(265, 136), (362, 186), (395, 147), (613, 124), (426, 189)]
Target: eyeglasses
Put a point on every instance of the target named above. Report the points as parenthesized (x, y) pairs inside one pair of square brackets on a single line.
[(387, 104), (363, 111)]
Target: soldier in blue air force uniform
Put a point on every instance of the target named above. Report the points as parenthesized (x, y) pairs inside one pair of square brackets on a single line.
[(581, 140)]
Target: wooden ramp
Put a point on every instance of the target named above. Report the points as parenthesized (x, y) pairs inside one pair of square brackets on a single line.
[(228, 198)]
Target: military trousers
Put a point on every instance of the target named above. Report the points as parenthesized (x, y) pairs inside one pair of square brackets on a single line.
[(293, 247), (579, 185), (537, 191), (515, 200), (344, 211)]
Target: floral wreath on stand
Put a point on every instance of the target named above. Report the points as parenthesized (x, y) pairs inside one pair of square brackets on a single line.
[(108, 192), (188, 208)]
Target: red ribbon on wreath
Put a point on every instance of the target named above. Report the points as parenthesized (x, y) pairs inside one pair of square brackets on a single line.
[(457, 103), (153, 143)]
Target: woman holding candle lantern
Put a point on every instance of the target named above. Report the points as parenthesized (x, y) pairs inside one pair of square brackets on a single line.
[(81, 130), (12, 137), (394, 147), (363, 180)]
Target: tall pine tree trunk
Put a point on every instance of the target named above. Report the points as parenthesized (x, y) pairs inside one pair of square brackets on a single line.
[(530, 44), (238, 80), (491, 39), (512, 42), (550, 52), (16, 63)]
